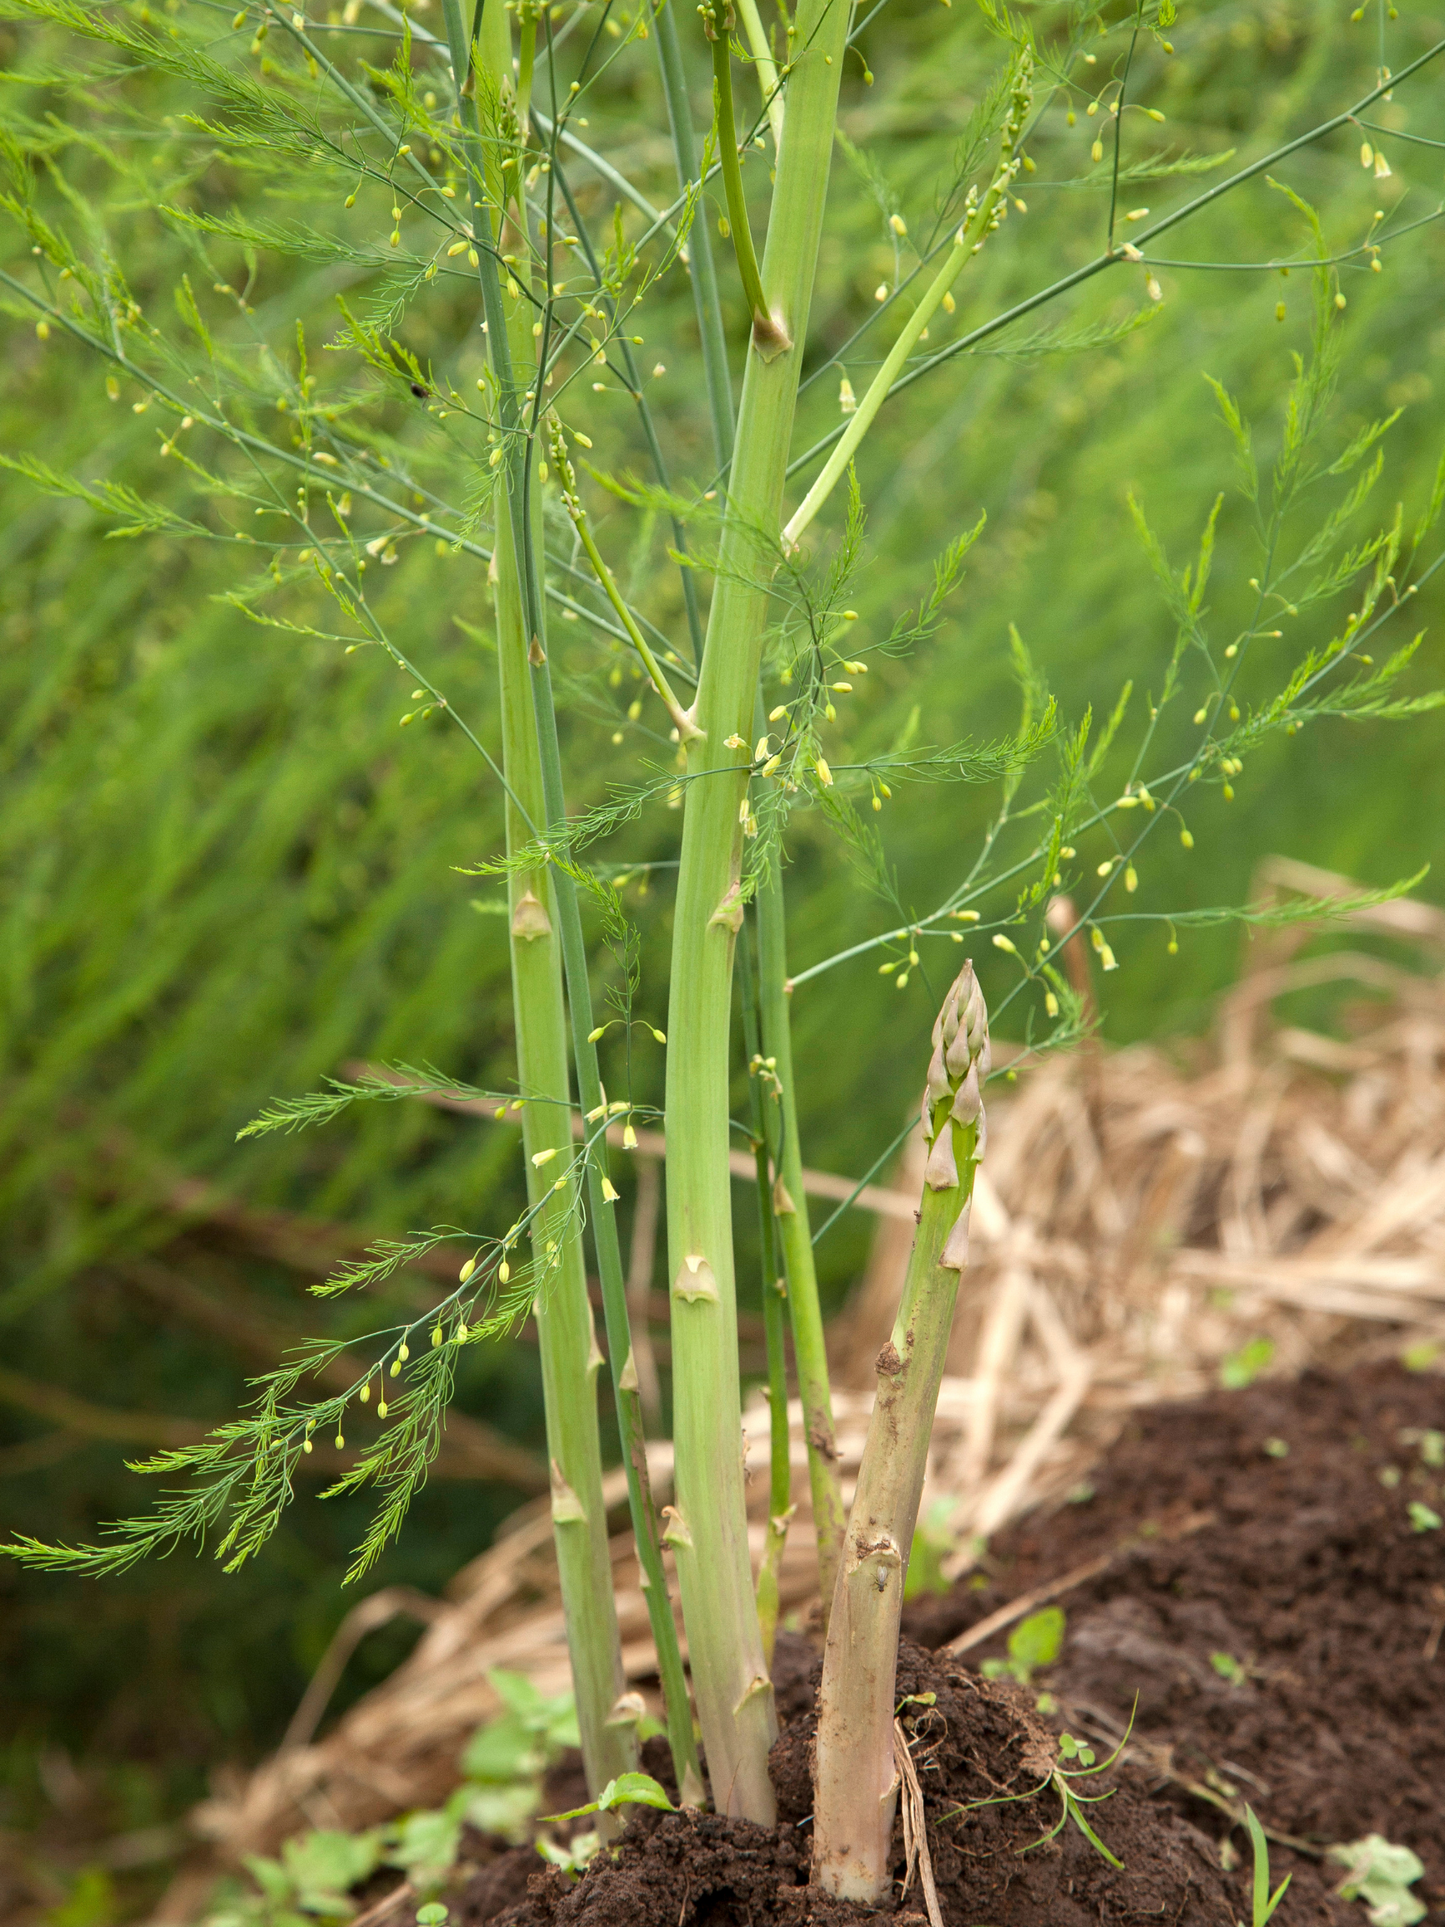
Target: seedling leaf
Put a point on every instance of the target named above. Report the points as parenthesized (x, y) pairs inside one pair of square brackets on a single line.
[(1264, 1903), (628, 1789), (1381, 1875), (1243, 1367)]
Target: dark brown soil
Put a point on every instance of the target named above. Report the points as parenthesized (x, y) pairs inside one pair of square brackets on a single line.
[(1310, 1574), (1299, 1564)]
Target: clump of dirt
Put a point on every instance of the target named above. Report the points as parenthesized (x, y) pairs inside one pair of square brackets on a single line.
[(1275, 1604), (982, 1755), (1278, 1610)]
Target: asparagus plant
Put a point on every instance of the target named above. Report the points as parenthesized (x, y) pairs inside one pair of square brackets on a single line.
[(492, 162), (790, 1230), (856, 1787), (532, 767)]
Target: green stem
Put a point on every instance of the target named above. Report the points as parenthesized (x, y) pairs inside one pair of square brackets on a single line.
[(791, 1204), (768, 332), (526, 59), (564, 1320), (855, 1786), (793, 1229), (686, 728), (780, 1479), (604, 1223), (729, 1679), (614, 1285), (975, 229), (639, 400), (767, 69), (855, 1789), (699, 240), (567, 1343)]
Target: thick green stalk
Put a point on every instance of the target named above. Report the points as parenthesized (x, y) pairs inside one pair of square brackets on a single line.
[(761, 1087), (733, 1694), (509, 341), (601, 1197), (567, 1342), (855, 1789), (796, 1236), (793, 1228)]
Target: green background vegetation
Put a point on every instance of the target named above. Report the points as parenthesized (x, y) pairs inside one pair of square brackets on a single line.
[(226, 874)]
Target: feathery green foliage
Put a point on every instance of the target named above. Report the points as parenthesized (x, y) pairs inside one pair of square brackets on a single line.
[(312, 522)]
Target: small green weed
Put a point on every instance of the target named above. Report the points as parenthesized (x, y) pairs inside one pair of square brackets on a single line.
[(1422, 1517), (932, 1544), (1263, 1902), (627, 1790), (1381, 1875), (1071, 1801), (1036, 1641), (1243, 1367), (1230, 1668), (1081, 1765), (503, 1766)]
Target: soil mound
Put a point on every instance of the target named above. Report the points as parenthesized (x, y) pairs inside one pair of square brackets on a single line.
[(981, 1756), (1266, 1583), (1277, 1605)]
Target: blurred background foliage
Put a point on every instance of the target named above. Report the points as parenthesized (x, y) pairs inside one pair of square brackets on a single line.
[(226, 874)]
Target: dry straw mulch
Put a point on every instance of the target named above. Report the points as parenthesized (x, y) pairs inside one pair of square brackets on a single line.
[(1141, 1222)]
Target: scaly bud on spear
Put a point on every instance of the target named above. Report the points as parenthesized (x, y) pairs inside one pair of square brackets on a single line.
[(856, 1790)]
